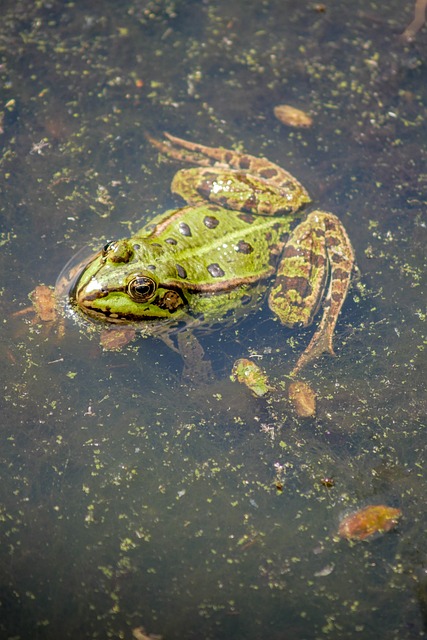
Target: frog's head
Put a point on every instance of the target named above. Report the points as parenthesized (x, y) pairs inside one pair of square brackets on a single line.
[(119, 285)]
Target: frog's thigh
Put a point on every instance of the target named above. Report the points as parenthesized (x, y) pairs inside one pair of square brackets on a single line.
[(241, 190), (300, 281), (318, 246), (189, 183)]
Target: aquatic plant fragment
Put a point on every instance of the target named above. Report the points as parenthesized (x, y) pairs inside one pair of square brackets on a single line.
[(368, 521)]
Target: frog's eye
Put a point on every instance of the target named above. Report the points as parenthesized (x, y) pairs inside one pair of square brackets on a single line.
[(107, 247), (117, 251), (141, 288)]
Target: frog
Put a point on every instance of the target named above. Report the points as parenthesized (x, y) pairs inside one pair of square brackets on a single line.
[(242, 236)]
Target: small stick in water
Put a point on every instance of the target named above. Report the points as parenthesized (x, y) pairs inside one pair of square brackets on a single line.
[(419, 19)]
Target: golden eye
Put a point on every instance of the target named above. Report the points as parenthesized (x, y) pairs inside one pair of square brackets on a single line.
[(141, 288)]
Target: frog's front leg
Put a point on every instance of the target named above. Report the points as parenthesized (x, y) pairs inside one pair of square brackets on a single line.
[(197, 368), (317, 263)]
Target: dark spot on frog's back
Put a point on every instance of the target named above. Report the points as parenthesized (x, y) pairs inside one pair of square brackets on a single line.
[(244, 247), (171, 241), (184, 229), (181, 271), (210, 222), (215, 270)]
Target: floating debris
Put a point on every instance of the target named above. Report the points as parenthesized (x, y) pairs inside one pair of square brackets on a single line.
[(44, 309), (327, 482), (293, 117), (139, 633), (368, 521), (303, 399), (326, 571), (44, 302), (251, 375), (419, 20)]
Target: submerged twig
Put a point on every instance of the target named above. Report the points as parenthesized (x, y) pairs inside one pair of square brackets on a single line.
[(418, 21)]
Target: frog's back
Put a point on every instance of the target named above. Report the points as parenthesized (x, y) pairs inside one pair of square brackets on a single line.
[(210, 248)]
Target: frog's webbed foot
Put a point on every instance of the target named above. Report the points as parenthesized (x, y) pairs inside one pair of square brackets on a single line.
[(317, 264), (283, 193), (185, 151)]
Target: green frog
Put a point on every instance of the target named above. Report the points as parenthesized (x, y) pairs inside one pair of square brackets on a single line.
[(241, 233)]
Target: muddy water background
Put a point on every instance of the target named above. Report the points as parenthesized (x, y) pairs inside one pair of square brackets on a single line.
[(127, 499)]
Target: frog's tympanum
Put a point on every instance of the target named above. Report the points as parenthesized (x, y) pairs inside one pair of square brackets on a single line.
[(241, 232)]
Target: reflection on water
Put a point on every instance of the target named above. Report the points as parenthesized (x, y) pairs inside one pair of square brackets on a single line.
[(129, 499)]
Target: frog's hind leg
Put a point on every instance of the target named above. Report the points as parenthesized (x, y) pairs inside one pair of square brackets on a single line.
[(317, 264), (260, 185)]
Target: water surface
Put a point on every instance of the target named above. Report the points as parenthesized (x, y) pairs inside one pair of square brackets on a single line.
[(127, 498)]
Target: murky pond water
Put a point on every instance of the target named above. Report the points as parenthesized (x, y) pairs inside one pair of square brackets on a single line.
[(128, 498)]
